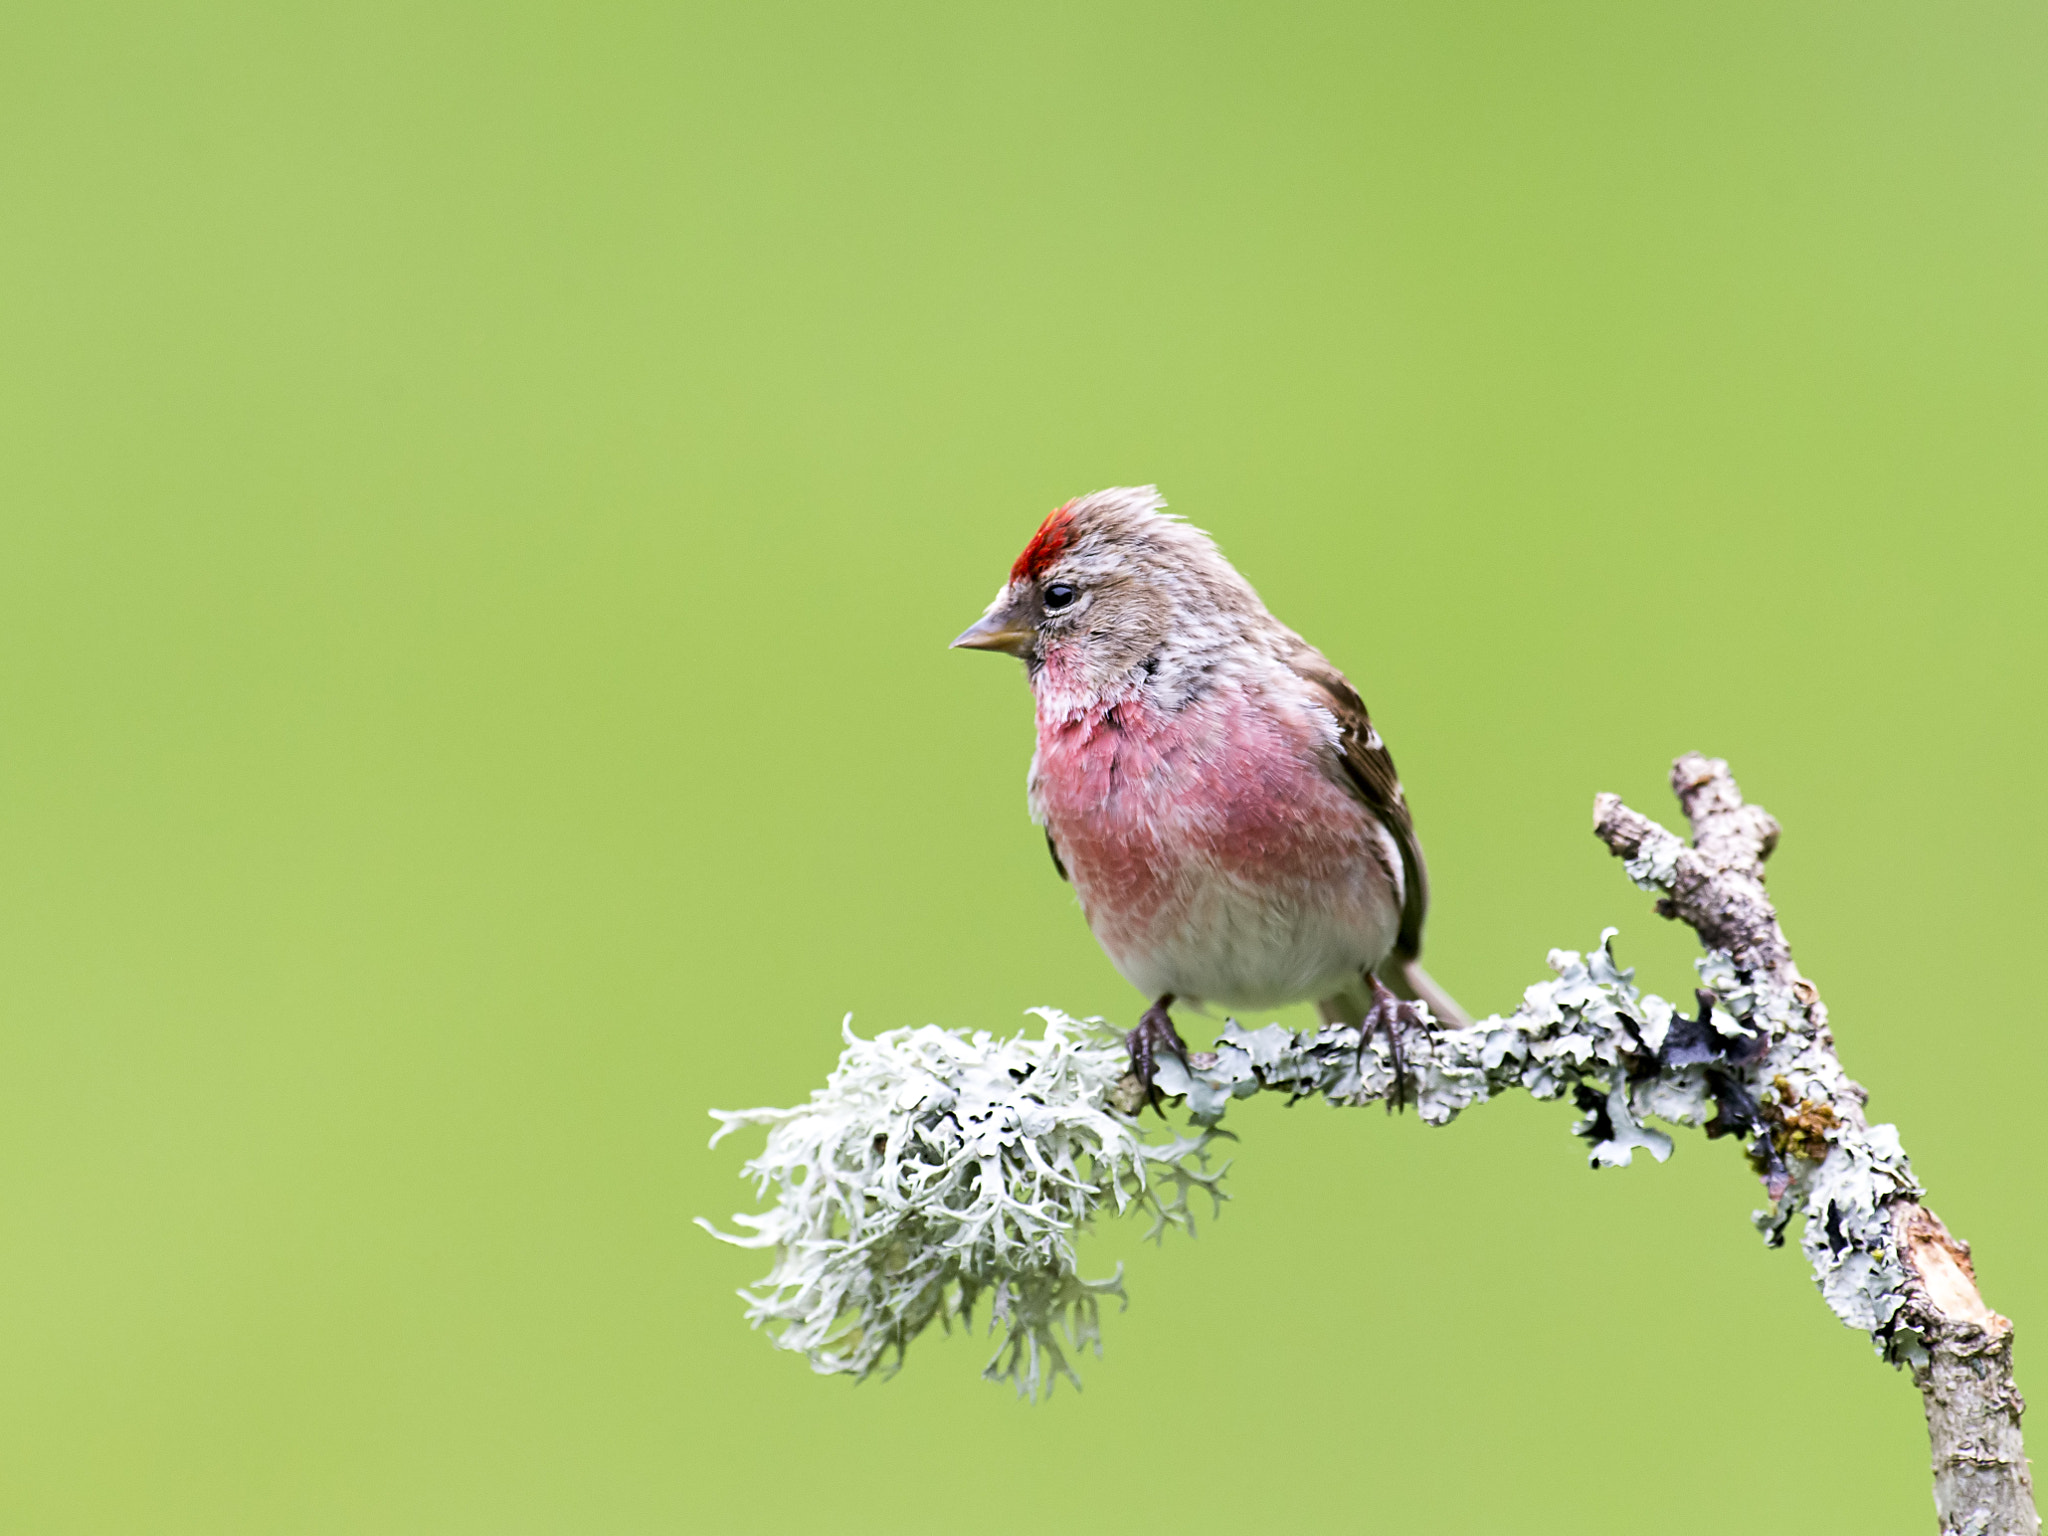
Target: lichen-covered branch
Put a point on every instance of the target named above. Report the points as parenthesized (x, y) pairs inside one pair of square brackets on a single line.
[(1914, 1280), (935, 1167)]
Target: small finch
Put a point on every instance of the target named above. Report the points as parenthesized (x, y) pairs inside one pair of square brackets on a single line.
[(1210, 784)]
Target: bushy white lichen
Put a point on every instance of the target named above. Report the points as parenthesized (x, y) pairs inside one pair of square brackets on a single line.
[(935, 1166)]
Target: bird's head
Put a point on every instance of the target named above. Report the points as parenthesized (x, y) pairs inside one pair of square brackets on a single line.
[(1108, 584)]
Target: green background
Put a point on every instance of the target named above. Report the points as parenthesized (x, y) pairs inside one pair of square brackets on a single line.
[(484, 492)]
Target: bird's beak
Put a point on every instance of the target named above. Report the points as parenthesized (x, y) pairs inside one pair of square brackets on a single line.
[(997, 630)]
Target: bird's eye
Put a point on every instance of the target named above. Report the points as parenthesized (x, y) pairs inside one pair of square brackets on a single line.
[(1058, 595)]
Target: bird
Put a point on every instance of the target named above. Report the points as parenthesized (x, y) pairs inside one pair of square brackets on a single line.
[(1210, 784)]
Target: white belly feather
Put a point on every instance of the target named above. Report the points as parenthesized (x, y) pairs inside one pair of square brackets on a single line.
[(1249, 947)]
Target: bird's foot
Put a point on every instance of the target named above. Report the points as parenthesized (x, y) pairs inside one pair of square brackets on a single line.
[(1397, 1017), (1155, 1033)]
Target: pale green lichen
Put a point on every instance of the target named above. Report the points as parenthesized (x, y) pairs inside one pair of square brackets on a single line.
[(1626, 1058), (1577, 1031), (935, 1167)]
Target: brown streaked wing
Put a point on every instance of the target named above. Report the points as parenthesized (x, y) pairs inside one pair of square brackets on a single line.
[(1369, 769)]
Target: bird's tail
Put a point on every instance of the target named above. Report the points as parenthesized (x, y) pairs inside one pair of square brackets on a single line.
[(1405, 977)]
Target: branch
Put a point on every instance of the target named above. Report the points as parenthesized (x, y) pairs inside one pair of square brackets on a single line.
[(933, 1168), (1927, 1312)]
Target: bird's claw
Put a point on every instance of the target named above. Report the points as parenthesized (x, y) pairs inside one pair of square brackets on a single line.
[(1396, 1017), (1155, 1033)]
